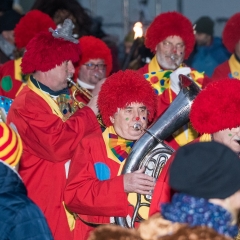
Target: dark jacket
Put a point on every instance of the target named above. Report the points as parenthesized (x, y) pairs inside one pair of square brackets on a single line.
[(20, 218)]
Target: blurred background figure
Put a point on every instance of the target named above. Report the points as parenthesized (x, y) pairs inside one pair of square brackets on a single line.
[(95, 64), (20, 217), (11, 77), (59, 10), (231, 39), (8, 21), (209, 51)]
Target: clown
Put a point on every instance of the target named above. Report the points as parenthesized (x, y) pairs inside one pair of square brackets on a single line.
[(49, 134), (214, 116), (96, 190), (170, 36), (231, 40), (12, 80), (95, 64)]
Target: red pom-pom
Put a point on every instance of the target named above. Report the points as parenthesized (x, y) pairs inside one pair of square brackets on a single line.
[(170, 24), (217, 107), (123, 88)]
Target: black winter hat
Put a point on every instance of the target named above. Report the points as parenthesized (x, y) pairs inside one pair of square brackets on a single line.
[(204, 25), (205, 170), (9, 20), (6, 5)]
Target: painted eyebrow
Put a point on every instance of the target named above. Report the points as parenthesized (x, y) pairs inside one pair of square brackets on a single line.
[(143, 107)]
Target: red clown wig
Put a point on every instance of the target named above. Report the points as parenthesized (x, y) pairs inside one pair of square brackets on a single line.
[(231, 33), (44, 52), (94, 48), (170, 24), (217, 107), (32, 23), (123, 88)]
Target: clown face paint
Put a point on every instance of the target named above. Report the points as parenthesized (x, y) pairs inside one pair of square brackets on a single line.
[(124, 120), (229, 137)]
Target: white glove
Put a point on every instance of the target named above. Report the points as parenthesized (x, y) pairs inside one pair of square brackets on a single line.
[(174, 80)]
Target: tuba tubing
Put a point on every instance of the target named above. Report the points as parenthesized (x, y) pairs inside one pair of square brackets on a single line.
[(170, 121)]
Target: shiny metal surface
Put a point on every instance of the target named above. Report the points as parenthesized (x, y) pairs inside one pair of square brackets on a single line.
[(173, 118)]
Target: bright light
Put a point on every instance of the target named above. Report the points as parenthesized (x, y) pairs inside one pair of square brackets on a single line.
[(137, 28)]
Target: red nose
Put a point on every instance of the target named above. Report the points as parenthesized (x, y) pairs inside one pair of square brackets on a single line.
[(137, 118)]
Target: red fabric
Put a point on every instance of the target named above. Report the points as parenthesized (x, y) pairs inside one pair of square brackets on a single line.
[(8, 70), (48, 143), (94, 200), (222, 71), (163, 192)]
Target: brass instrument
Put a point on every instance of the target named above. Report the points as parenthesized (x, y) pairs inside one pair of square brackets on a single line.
[(87, 94), (150, 151)]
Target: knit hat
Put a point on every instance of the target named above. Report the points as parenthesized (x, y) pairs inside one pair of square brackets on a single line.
[(170, 24), (231, 34), (32, 23), (10, 145), (46, 51), (123, 88), (204, 25), (9, 20), (94, 48), (216, 107), (6, 5), (205, 170)]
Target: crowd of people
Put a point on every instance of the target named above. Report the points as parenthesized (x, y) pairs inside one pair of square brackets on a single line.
[(75, 116)]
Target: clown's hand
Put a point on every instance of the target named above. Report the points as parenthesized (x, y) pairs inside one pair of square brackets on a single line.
[(174, 80)]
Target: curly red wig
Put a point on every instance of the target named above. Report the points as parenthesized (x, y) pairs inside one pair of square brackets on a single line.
[(231, 34), (123, 88), (93, 48), (32, 23), (170, 24), (217, 107), (44, 52)]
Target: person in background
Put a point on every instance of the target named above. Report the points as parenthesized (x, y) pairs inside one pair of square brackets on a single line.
[(96, 191), (12, 79), (215, 120), (49, 124), (209, 51), (20, 217), (95, 64), (8, 21), (59, 10), (231, 40), (205, 176), (170, 36)]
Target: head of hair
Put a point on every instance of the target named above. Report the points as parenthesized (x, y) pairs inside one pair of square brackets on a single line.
[(123, 88), (170, 24), (206, 115), (231, 34)]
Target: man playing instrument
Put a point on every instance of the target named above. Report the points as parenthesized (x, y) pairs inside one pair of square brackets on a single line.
[(95, 64), (231, 40), (215, 116), (96, 191), (170, 36), (43, 114)]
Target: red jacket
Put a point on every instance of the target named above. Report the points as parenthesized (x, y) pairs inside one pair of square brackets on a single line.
[(48, 145), (94, 200)]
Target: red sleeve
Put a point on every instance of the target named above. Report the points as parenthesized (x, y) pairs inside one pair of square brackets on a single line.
[(221, 71), (162, 192), (85, 194), (164, 101), (44, 134)]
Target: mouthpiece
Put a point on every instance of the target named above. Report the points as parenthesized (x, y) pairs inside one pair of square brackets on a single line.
[(71, 81), (137, 126)]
